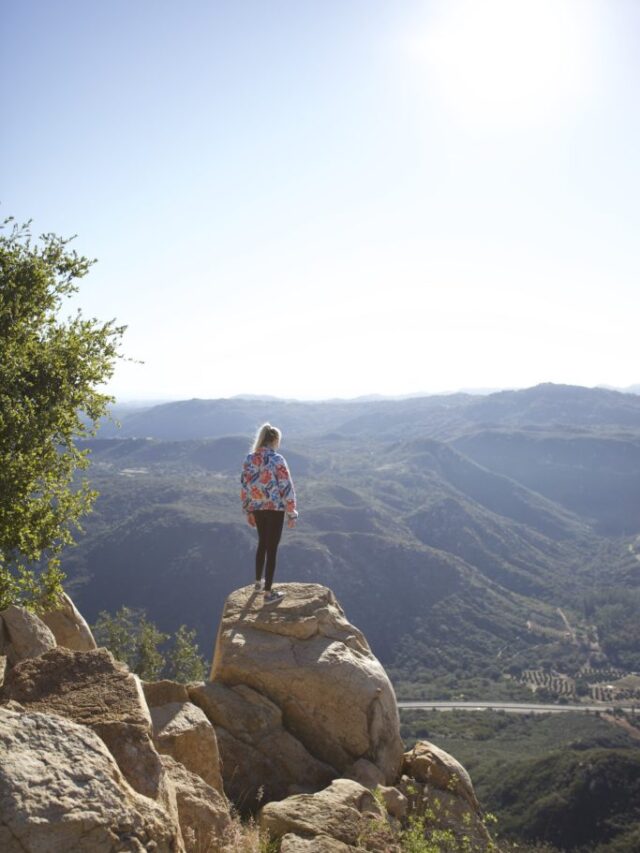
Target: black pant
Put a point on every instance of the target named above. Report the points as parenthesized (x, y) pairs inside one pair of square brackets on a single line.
[(269, 523)]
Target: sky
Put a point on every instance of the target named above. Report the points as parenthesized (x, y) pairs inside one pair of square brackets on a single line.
[(334, 198)]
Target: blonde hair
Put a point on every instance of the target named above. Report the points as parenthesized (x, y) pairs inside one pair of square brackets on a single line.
[(266, 436)]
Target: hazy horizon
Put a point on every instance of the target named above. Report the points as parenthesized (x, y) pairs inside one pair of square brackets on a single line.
[(142, 401), (310, 200)]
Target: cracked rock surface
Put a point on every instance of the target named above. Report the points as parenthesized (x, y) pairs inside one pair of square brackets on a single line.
[(93, 689), (62, 792), (261, 761)]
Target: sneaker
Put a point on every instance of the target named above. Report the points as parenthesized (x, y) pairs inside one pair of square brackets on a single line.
[(258, 586), (271, 597)]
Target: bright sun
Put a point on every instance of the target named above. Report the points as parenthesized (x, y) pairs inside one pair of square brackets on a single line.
[(510, 62)]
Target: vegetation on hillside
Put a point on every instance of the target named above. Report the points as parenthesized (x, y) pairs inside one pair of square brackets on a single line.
[(567, 780), (456, 576), (471, 580), (615, 612)]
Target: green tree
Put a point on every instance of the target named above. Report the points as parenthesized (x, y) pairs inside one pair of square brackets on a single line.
[(119, 634), (150, 662), (184, 661), (146, 650), (50, 371)]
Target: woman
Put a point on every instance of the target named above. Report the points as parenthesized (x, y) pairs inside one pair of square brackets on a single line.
[(267, 494)]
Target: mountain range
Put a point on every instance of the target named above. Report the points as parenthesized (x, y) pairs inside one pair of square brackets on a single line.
[(471, 538)]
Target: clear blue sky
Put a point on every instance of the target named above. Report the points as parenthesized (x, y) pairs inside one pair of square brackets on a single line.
[(339, 197)]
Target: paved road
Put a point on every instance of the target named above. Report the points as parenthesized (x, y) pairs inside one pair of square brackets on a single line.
[(511, 707)]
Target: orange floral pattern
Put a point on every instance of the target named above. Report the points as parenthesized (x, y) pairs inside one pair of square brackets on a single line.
[(265, 483)]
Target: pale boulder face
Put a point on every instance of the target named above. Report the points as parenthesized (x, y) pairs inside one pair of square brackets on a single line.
[(203, 811), (260, 760), (68, 626), (304, 655), (182, 730), (24, 635), (61, 791), (93, 689)]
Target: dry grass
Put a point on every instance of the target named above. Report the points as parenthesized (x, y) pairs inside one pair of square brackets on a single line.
[(240, 837)]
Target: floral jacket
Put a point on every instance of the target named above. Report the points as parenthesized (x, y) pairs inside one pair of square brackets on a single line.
[(266, 483)]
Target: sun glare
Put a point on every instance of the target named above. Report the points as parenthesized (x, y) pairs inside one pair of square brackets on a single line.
[(509, 62)]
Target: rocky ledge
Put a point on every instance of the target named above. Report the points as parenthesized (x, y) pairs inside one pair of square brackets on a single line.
[(298, 725)]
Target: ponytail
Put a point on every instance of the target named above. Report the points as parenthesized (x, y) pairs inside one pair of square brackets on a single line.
[(266, 436)]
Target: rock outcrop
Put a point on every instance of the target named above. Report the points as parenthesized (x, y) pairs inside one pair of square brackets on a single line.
[(61, 791), (68, 626), (97, 761), (94, 690), (317, 668)]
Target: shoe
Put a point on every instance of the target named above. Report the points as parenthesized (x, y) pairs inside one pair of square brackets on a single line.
[(258, 586), (271, 597)]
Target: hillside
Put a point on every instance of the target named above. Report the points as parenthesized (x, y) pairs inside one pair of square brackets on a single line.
[(570, 780), (454, 554), (438, 416)]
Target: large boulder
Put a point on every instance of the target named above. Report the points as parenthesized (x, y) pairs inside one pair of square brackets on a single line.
[(182, 730), (344, 813), (261, 761), (203, 811), (306, 657), (93, 689), (68, 626), (24, 635), (61, 791)]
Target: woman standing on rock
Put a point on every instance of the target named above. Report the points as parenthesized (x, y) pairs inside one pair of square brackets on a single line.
[(267, 494)]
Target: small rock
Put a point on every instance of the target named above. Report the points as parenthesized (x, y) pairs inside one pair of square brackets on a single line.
[(365, 773), (395, 802), (342, 811), (163, 692), (28, 636), (319, 844), (68, 626), (426, 762)]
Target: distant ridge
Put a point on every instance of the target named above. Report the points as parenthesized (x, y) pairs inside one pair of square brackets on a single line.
[(440, 416)]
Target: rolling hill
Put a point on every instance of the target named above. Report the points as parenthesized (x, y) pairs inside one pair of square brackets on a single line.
[(453, 529)]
